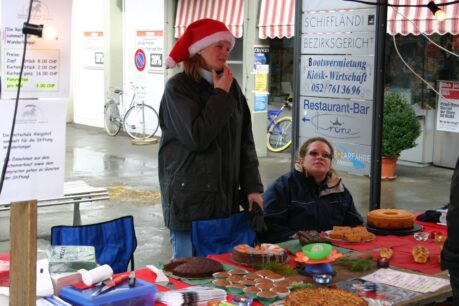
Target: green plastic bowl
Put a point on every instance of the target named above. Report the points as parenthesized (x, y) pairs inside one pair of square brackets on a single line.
[(317, 251)]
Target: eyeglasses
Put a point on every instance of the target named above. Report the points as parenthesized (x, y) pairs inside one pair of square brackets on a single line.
[(316, 154)]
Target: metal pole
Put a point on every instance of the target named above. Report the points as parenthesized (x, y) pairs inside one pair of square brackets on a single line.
[(296, 79), (378, 97)]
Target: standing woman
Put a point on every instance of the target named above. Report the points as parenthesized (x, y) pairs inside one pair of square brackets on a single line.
[(208, 165), (310, 197)]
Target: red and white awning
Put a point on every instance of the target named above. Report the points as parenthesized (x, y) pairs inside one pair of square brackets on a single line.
[(230, 12), (277, 19), (417, 20)]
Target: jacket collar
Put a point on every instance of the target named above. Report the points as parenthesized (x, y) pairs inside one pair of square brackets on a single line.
[(332, 184)]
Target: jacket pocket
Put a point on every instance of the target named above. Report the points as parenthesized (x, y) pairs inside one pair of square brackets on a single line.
[(194, 198)]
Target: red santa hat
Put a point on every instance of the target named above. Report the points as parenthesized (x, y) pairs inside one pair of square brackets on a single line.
[(197, 36)]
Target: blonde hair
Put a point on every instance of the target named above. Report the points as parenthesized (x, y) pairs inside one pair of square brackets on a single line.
[(192, 65)]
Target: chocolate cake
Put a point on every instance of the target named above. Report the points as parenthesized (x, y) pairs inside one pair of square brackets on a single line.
[(264, 253), (193, 267), (307, 237)]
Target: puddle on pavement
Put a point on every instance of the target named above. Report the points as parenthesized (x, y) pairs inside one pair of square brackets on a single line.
[(89, 162)]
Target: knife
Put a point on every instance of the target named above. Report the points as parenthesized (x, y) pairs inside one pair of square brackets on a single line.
[(161, 278), (111, 284)]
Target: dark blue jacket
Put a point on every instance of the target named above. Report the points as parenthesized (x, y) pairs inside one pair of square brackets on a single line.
[(294, 203)]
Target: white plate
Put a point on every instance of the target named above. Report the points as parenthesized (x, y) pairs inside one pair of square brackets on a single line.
[(342, 240)]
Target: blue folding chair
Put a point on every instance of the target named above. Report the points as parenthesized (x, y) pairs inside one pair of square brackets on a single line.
[(114, 241), (218, 236)]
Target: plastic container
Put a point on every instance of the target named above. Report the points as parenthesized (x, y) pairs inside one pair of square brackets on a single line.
[(142, 294), (317, 251)]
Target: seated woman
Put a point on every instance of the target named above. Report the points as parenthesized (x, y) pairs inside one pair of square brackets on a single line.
[(311, 197)]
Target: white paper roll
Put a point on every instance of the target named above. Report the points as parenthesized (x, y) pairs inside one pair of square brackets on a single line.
[(96, 275)]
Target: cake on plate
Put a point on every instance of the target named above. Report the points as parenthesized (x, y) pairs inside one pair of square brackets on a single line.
[(193, 267), (390, 219), (259, 254), (323, 296)]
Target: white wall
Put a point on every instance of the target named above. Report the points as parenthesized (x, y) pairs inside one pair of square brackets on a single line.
[(143, 15), (87, 83)]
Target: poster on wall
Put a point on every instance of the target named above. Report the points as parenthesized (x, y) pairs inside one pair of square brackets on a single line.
[(47, 63), (152, 44), (36, 166), (448, 107), (93, 50)]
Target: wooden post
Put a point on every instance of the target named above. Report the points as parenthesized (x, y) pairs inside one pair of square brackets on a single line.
[(23, 253)]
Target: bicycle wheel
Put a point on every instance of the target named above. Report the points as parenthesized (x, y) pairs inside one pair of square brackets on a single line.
[(112, 118), (279, 136), (141, 121)]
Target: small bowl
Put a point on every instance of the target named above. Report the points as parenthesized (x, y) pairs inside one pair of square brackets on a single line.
[(238, 272), (235, 279), (221, 283), (264, 285), (275, 277), (421, 236), (235, 289), (251, 291), (281, 292), (221, 274), (266, 296), (317, 251)]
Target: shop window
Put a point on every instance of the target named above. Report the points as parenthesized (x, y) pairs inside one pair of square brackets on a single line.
[(426, 59), (280, 69)]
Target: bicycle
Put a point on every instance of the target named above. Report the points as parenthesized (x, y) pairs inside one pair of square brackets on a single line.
[(139, 121), (279, 130)]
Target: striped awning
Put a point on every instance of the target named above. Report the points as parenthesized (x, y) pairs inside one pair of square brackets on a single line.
[(230, 12), (277, 19), (417, 20)]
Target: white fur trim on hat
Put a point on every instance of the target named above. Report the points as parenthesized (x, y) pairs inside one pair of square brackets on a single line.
[(197, 36), (209, 40)]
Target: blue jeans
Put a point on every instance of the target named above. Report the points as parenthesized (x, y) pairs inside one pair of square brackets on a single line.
[(181, 243)]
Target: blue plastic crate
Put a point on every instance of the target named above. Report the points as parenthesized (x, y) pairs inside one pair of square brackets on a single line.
[(142, 294)]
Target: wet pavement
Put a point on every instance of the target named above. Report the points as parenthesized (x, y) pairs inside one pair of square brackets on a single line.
[(130, 173)]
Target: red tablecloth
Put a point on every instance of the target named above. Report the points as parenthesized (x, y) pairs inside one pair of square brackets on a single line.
[(402, 246), (4, 275)]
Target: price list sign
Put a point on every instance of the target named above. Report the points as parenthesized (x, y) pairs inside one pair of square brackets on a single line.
[(47, 62), (41, 70)]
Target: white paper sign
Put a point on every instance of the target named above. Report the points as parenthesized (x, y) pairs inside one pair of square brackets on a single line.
[(448, 107), (47, 62), (410, 281), (36, 165), (337, 76)]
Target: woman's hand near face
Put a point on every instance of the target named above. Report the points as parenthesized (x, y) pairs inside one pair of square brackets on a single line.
[(225, 81)]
